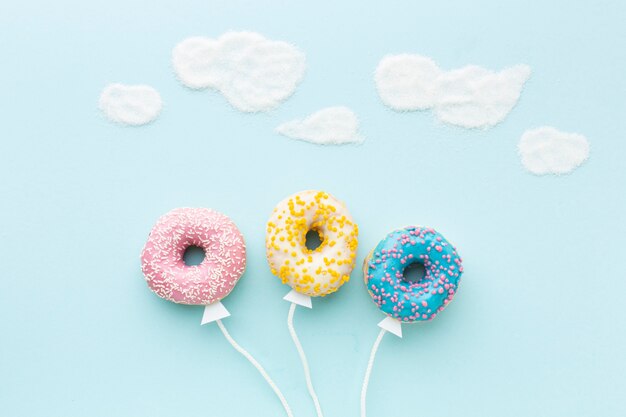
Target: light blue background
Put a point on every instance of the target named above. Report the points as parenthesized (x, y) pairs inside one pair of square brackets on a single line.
[(537, 328)]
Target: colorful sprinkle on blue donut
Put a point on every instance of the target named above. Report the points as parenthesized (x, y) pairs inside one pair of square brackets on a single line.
[(404, 300)]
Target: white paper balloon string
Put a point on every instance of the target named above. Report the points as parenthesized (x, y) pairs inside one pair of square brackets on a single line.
[(257, 365), (305, 363), (368, 371)]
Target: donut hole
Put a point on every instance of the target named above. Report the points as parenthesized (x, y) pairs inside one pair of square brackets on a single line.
[(414, 272), (194, 255), (313, 239)]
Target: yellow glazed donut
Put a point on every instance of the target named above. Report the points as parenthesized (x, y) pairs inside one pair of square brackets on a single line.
[(312, 272)]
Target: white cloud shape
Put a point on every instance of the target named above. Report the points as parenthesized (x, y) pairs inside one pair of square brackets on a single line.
[(329, 126), (133, 105), (546, 150), (470, 97), (252, 72)]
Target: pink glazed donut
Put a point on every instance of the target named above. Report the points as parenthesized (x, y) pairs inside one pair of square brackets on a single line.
[(162, 258)]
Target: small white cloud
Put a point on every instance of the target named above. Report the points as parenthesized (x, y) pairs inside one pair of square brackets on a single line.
[(470, 97), (133, 105), (546, 150), (474, 97), (329, 126), (407, 81), (252, 72)]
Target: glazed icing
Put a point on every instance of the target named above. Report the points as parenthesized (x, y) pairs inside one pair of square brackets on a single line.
[(317, 272), (406, 301), (165, 270)]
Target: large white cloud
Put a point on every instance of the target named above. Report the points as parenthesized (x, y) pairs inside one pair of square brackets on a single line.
[(133, 105), (252, 72), (546, 150), (329, 126), (470, 97)]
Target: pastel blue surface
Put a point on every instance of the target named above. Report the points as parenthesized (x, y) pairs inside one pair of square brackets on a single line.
[(388, 279), (537, 327)]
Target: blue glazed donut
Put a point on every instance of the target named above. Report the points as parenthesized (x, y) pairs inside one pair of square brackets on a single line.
[(407, 301)]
